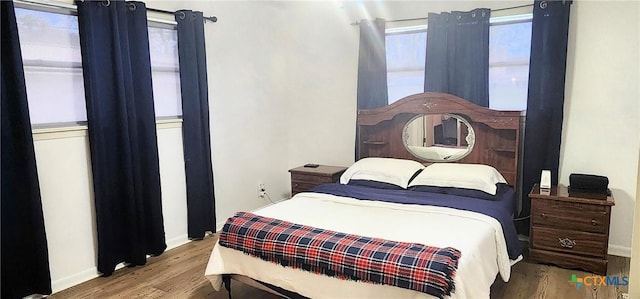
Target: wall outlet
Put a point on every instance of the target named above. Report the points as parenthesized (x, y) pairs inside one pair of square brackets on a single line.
[(262, 190)]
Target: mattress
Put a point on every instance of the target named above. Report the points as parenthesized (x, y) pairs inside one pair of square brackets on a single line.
[(479, 237)]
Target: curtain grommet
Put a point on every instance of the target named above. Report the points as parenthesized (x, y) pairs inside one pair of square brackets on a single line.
[(543, 4), (473, 14), (182, 15), (132, 6), (106, 3)]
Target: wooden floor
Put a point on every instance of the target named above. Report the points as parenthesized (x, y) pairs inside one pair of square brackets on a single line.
[(179, 273)]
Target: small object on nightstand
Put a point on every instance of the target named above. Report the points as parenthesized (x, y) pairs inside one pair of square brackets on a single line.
[(311, 165), (545, 179), (569, 231), (304, 178), (589, 185)]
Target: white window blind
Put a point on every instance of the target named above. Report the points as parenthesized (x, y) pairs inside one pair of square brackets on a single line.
[(163, 45), (509, 50), (50, 47), (406, 52)]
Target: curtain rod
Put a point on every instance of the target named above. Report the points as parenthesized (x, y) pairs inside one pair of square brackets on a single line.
[(211, 18), (74, 8), (424, 18)]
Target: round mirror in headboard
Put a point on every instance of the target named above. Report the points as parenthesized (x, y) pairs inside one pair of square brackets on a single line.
[(438, 137)]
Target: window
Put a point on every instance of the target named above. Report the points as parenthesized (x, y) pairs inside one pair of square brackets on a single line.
[(509, 47), (52, 66), (50, 45), (165, 72), (406, 53)]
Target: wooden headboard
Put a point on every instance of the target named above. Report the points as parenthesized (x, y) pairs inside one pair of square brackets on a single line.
[(497, 133)]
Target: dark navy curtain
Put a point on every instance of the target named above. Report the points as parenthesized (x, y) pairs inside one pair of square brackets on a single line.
[(547, 69), (457, 60), (201, 215), (25, 261), (372, 65), (372, 68), (122, 133)]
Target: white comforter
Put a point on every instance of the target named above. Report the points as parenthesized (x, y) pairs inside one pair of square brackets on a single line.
[(478, 237)]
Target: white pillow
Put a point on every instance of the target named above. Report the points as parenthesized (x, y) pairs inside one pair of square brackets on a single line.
[(387, 170), (459, 175)]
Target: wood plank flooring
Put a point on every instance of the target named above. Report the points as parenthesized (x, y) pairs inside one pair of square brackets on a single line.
[(179, 273)]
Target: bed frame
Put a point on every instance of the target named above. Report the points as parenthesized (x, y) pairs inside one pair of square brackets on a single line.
[(497, 133)]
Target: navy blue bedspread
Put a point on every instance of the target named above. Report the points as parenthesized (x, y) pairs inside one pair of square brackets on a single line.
[(500, 209)]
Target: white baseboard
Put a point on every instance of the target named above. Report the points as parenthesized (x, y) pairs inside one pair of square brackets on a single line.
[(71, 280), (177, 241), (91, 273), (219, 225), (78, 278), (619, 250)]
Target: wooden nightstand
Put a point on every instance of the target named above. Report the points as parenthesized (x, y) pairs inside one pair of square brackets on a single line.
[(305, 178), (568, 230)]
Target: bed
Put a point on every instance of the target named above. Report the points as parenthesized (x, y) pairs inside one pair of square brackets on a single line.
[(391, 195)]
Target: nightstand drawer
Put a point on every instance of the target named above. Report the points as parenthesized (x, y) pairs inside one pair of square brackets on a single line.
[(570, 215), (569, 241), (297, 187), (311, 178)]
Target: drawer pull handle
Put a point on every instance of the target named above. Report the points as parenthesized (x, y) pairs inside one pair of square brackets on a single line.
[(297, 185), (543, 215), (566, 242), (594, 222)]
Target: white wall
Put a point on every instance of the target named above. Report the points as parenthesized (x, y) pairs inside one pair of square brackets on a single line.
[(634, 271), (282, 88), (64, 172), (173, 184), (322, 81), (601, 129), (247, 84)]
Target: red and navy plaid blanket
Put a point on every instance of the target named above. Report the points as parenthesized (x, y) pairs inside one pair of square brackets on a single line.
[(407, 265)]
